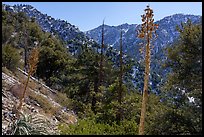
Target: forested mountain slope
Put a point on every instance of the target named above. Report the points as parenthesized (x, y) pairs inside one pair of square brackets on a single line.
[(79, 86)]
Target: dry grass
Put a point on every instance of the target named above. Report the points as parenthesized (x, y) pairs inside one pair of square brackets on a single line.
[(68, 118), (32, 84), (44, 103), (17, 90), (5, 70), (43, 90), (62, 99)]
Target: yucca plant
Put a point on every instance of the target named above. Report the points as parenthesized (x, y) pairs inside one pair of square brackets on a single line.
[(30, 124), (33, 60), (148, 27)]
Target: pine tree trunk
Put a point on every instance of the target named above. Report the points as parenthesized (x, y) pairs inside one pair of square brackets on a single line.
[(25, 58), (26, 50), (98, 80), (93, 107), (101, 59), (120, 81)]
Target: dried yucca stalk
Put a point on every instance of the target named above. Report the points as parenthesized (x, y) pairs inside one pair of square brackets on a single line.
[(32, 62), (148, 27)]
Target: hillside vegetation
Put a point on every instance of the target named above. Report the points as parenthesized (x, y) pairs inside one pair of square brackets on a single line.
[(92, 91)]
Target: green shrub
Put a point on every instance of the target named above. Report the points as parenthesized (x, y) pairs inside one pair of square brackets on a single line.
[(10, 57), (90, 127)]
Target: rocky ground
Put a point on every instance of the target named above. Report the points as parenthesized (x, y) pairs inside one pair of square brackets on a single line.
[(12, 88)]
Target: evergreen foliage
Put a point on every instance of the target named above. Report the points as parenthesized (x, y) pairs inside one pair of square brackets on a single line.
[(185, 80), (77, 76), (10, 57)]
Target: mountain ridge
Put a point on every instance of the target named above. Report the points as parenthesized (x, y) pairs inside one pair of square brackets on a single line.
[(167, 34), (175, 18), (67, 31), (64, 29)]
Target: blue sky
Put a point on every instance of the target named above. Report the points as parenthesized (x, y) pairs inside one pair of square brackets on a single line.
[(89, 15)]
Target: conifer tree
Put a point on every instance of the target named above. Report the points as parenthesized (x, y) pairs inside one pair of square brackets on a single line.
[(120, 78), (146, 33), (98, 81), (101, 56), (10, 57)]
